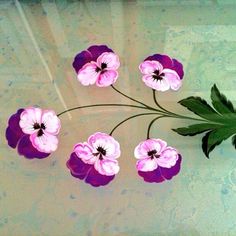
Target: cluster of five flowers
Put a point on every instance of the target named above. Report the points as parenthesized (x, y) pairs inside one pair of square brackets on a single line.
[(34, 131)]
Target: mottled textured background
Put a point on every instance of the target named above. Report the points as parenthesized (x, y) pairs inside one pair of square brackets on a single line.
[(38, 41)]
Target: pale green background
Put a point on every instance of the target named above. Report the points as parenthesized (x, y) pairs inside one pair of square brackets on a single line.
[(37, 44)]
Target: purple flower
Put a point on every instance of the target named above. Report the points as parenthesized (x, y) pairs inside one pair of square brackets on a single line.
[(34, 132), (95, 161), (157, 162), (162, 73), (98, 64)]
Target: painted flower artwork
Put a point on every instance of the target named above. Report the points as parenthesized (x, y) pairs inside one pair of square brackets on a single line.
[(162, 73), (157, 162), (97, 65), (95, 161), (34, 131)]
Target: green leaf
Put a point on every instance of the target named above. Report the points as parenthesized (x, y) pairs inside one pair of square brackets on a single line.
[(234, 141), (215, 137), (195, 129), (221, 103), (200, 107)]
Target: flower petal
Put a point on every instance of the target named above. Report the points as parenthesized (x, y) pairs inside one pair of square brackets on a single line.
[(85, 153), (106, 141), (51, 122), (165, 60), (25, 148), (96, 179), (14, 131), (148, 67), (46, 143), (178, 67), (28, 118), (152, 176), (168, 173), (159, 85), (107, 167), (81, 59), (110, 59), (141, 151), (87, 75), (81, 170), (78, 168), (147, 164), (173, 79), (168, 157), (97, 50), (107, 78)]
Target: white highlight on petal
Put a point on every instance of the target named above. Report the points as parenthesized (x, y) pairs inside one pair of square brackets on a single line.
[(110, 59), (147, 164), (160, 85), (107, 78), (168, 157), (46, 143), (148, 67), (51, 122), (173, 79), (84, 152), (87, 75), (28, 118), (107, 167)]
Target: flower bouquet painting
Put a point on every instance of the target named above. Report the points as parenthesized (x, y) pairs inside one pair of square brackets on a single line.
[(34, 131)]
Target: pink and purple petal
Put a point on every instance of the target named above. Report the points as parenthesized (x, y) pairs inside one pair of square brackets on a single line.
[(13, 131), (96, 179), (87, 172), (152, 176), (107, 78), (168, 63), (165, 60), (97, 50), (25, 148), (178, 67), (161, 174), (77, 167), (81, 59), (91, 54), (169, 173)]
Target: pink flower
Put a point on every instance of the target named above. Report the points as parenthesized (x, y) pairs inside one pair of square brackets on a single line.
[(33, 132), (157, 161), (162, 73), (42, 126), (103, 71), (95, 160)]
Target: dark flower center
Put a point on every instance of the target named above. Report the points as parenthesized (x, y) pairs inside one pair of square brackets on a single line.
[(152, 154), (157, 76), (101, 152), (40, 128), (103, 67)]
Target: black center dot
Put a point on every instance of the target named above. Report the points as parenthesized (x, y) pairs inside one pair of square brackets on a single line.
[(102, 151)]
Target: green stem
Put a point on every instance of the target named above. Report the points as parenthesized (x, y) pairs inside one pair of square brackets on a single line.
[(151, 123), (158, 105), (131, 117), (134, 100), (103, 105)]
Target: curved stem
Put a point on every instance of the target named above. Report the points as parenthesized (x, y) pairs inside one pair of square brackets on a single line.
[(151, 123), (132, 99), (129, 118), (101, 105), (155, 100)]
